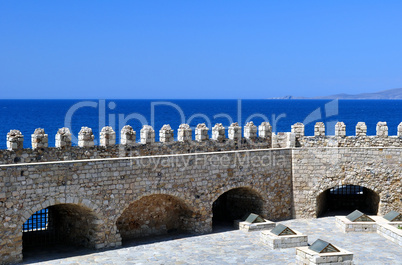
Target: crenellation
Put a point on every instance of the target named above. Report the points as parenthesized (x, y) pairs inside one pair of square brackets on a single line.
[(382, 129), (127, 135), (319, 129), (39, 139), (15, 140), (93, 186), (265, 131), (298, 130), (86, 137), (283, 140), (218, 132), (361, 129), (147, 134), (340, 129), (201, 132), (107, 136), (250, 131), (63, 138), (234, 132), (400, 130), (184, 133), (166, 134)]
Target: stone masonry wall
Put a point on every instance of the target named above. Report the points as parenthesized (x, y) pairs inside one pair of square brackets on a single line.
[(106, 187), (360, 139), (317, 169), (154, 215), (93, 186), (349, 141), (115, 151)]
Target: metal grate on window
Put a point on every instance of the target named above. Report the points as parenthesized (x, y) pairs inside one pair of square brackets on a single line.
[(347, 190), (37, 222)]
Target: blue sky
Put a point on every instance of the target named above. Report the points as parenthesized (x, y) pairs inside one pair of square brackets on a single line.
[(198, 49)]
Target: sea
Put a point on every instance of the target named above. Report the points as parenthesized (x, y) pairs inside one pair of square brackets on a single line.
[(27, 115)]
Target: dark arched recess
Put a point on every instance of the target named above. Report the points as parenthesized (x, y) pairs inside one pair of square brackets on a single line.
[(344, 199)]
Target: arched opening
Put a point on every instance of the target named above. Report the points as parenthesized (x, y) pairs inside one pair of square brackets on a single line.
[(152, 215), (233, 205), (58, 230), (344, 199)]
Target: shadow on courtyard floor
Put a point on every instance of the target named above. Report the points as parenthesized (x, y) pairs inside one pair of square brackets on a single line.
[(61, 251)]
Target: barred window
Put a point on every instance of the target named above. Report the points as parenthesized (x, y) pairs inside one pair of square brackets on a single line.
[(347, 190), (38, 221)]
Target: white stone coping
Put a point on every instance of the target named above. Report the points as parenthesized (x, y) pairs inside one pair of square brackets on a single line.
[(327, 257), (382, 220), (254, 226), (142, 157), (395, 224), (350, 226), (383, 227), (389, 230), (286, 241)]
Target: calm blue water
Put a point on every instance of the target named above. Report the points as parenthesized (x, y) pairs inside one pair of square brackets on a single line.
[(26, 115)]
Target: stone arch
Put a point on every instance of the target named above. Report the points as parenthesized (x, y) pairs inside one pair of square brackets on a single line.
[(156, 213), (54, 201), (366, 185), (234, 203), (227, 188), (186, 198), (69, 222), (343, 198)]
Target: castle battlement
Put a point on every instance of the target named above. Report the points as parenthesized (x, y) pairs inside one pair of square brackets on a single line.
[(95, 193), (260, 137), (250, 137)]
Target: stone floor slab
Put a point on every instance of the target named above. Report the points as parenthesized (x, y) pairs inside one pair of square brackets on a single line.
[(239, 247)]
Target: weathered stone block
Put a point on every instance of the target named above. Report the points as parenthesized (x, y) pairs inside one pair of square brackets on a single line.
[(15, 140), (382, 129), (166, 134), (107, 136), (304, 255), (63, 137), (319, 129), (201, 132), (250, 131), (85, 137), (218, 132), (400, 130), (265, 131), (298, 130), (283, 140), (286, 241), (147, 135), (127, 135), (361, 129), (234, 132), (347, 226), (340, 129), (184, 134), (251, 227), (39, 139)]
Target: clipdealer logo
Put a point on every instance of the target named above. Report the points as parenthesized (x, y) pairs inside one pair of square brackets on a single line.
[(117, 121)]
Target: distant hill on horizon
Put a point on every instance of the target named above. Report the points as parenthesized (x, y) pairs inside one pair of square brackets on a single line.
[(385, 94)]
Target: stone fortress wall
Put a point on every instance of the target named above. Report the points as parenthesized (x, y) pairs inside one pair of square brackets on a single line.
[(129, 146), (109, 193)]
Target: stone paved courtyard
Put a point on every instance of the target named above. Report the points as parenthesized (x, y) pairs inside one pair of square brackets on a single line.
[(238, 247)]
